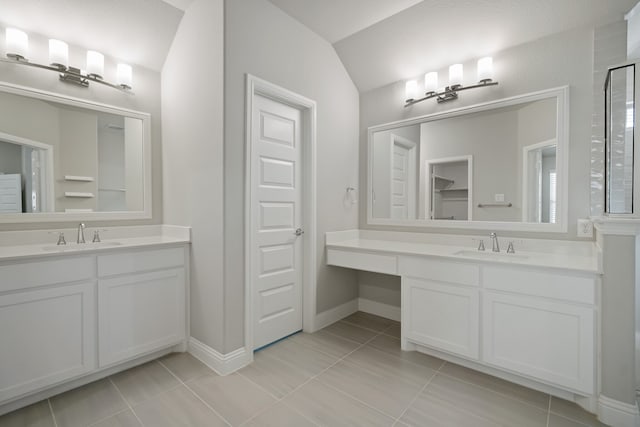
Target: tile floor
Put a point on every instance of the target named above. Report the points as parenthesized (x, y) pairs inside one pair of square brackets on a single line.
[(351, 373)]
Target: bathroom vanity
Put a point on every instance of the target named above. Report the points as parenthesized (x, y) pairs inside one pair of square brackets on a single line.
[(530, 317), (73, 313)]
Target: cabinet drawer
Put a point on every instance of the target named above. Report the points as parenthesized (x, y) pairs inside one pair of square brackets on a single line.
[(440, 270), (550, 341), (133, 262), (363, 261), (541, 283), (45, 272)]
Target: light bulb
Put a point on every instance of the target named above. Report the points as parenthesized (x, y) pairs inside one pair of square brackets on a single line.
[(431, 82), (95, 64), (411, 90), (58, 54), (17, 43), (455, 75), (124, 76), (485, 69)]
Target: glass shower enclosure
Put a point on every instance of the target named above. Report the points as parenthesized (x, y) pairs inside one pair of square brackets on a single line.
[(621, 181)]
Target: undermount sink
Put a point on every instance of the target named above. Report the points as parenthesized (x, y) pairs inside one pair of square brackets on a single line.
[(79, 246), (503, 256)]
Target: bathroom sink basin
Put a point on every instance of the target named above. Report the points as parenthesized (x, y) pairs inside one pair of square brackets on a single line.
[(503, 256), (79, 246)]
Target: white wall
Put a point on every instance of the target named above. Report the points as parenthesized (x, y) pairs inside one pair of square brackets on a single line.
[(192, 152), (146, 98), (262, 40)]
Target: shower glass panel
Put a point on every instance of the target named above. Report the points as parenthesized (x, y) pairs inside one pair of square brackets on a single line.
[(619, 128)]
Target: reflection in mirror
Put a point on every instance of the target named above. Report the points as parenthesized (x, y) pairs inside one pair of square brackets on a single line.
[(450, 187), (56, 157), (497, 162), (540, 183)]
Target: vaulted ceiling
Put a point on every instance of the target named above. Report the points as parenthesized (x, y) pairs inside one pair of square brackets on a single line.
[(135, 31), (432, 34)]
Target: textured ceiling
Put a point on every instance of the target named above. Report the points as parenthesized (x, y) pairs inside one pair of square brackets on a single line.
[(135, 31), (435, 33)]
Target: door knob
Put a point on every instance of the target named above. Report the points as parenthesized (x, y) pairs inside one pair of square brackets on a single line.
[(299, 232)]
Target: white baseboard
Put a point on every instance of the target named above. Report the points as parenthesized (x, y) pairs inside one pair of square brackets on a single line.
[(618, 414), (223, 364), (333, 315), (379, 309)]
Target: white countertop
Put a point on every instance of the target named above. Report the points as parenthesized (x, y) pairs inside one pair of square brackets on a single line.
[(28, 244), (558, 254)]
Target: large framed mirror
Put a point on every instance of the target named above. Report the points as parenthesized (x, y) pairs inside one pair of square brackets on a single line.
[(497, 165), (67, 159)]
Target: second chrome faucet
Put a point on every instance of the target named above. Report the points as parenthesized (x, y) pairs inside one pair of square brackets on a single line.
[(495, 247)]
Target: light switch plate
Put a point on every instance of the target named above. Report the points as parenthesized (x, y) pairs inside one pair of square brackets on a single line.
[(585, 228)]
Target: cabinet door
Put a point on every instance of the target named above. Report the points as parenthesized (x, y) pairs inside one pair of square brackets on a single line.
[(547, 340), (442, 316), (140, 313), (46, 336)]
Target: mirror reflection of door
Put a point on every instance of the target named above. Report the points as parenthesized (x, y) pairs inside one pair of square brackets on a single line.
[(403, 178), (539, 183)]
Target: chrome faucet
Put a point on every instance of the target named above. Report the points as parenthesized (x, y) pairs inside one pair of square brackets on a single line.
[(495, 247), (80, 238)]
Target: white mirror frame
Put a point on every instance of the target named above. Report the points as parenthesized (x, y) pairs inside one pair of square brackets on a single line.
[(88, 216), (562, 132)]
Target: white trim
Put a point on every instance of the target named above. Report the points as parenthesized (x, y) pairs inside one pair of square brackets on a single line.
[(562, 135), (308, 107), (619, 414), (146, 213), (332, 315), (619, 226), (387, 311), (223, 364)]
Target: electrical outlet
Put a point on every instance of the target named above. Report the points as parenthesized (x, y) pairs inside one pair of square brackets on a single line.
[(585, 228), (499, 197)]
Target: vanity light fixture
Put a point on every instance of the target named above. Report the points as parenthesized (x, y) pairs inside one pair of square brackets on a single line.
[(17, 43), (449, 93)]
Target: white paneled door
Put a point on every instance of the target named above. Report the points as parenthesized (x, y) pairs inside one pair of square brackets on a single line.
[(277, 229)]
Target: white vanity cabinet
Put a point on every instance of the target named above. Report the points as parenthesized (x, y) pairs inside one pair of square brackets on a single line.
[(68, 317), (47, 323), (440, 305), (141, 303), (541, 324)]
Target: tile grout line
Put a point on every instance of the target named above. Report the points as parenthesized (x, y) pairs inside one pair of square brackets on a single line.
[(195, 394), (453, 377), (112, 415), (549, 411), (53, 415), (125, 401), (281, 399), (397, 420)]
